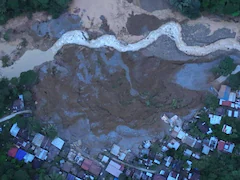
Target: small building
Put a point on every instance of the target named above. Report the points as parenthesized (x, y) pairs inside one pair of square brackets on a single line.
[(137, 175), (194, 175), (220, 111), (173, 176), (205, 149), (229, 113), (20, 154), (196, 155), (236, 114), (232, 97), (168, 160), (227, 129), (147, 144), (41, 153), (28, 158), (215, 119), (224, 92), (213, 143), (115, 150), (12, 152), (204, 128), (114, 169), (173, 144), (189, 163), (187, 152), (159, 177), (58, 143), (95, 169), (38, 139), (105, 159), (18, 105), (122, 156), (189, 140), (225, 146), (14, 130), (86, 164)]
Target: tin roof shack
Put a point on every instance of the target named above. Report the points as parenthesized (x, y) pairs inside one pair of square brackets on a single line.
[(189, 140), (173, 144), (14, 130), (173, 176), (12, 152), (137, 174), (95, 169), (205, 149), (38, 139), (227, 129), (53, 152), (41, 153), (213, 143), (67, 166), (215, 119), (114, 168), (86, 164), (224, 92), (58, 143), (204, 128)]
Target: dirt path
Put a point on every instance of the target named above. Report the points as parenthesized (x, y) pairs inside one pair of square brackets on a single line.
[(15, 114)]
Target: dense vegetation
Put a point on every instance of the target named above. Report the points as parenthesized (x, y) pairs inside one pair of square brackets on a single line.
[(192, 8), (10, 89), (234, 81), (225, 67), (12, 8)]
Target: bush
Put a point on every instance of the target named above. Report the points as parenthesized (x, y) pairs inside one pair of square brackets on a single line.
[(27, 96), (211, 102), (225, 67), (190, 8), (5, 61), (28, 78)]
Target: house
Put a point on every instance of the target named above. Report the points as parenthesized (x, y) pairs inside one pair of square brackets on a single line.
[(198, 144), (95, 169), (14, 130), (225, 146), (53, 152), (20, 154), (58, 143), (158, 177), (71, 155), (114, 168), (215, 119), (220, 111), (38, 139), (168, 160), (86, 164), (173, 176), (46, 143), (105, 159), (236, 114), (115, 150), (232, 97), (224, 92), (20, 143), (227, 129), (145, 151), (137, 174), (18, 105), (122, 156), (189, 140), (147, 144), (189, 163), (41, 153), (205, 149), (70, 177), (213, 143), (194, 175), (187, 152), (28, 158), (173, 144), (204, 128), (226, 103), (229, 113)]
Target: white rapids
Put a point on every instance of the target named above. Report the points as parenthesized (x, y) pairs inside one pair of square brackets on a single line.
[(34, 58)]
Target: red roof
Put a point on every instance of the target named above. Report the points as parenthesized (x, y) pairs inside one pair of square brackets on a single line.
[(86, 164), (12, 152), (95, 169), (226, 103), (221, 145)]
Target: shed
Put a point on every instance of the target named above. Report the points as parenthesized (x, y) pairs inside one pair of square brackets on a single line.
[(12, 152), (235, 114), (14, 130), (187, 152), (20, 154), (67, 166), (221, 144), (58, 143), (224, 92), (38, 139), (232, 97), (115, 150), (230, 113), (121, 156)]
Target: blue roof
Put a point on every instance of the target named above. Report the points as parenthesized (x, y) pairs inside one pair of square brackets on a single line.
[(115, 178), (70, 177), (226, 93), (20, 154)]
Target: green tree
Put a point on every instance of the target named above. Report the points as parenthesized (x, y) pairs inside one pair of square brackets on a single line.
[(28, 78), (211, 102), (234, 81), (5, 61), (27, 96), (50, 131), (225, 67), (21, 174)]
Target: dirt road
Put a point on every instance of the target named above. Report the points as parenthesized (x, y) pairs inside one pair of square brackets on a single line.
[(15, 114)]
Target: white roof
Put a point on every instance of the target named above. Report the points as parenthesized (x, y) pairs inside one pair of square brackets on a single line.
[(14, 130), (235, 114), (189, 165), (229, 113), (215, 119), (38, 139), (41, 153), (205, 149), (188, 152), (121, 156), (28, 158), (181, 134), (149, 174), (147, 144), (21, 97), (105, 159), (173, 144), (156, 161), (115, 150), (114, 168), (227, 129), (232, 97), (58, 143)]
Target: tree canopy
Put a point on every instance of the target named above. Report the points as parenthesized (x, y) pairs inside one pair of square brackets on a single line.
[(12, 8), (234, 81), (225, 67)]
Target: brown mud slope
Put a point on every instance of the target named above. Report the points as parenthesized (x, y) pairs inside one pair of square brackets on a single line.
[(81, 85)]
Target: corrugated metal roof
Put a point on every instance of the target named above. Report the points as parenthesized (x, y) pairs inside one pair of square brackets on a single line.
[(20, 154), (38, 139)]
